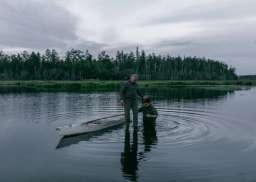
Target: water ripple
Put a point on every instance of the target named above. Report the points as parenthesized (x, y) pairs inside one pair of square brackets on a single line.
[(175, 126)]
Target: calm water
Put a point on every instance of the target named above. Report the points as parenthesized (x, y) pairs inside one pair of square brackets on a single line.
[(201, 135)]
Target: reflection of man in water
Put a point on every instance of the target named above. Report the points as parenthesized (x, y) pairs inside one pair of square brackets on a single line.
[(129, 159), (149, 135), (129, 93)]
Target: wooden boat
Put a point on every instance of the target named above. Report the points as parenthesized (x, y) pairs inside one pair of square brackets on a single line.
[(91, 126)]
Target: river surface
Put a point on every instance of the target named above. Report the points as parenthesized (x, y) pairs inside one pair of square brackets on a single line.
[(200, 135)]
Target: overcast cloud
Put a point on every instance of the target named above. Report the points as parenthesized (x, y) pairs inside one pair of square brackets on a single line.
[(223, 30)]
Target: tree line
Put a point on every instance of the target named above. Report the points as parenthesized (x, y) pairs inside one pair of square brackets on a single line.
[(81, 65)]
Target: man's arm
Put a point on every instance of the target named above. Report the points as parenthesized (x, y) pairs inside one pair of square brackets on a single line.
[(139, 92), (122, 91), (155, 112)]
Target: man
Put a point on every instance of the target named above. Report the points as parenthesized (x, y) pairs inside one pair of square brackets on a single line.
[(129, 93)]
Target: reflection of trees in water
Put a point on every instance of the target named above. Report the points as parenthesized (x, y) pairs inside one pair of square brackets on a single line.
[(188, 93), (16, 89), (129, 156)]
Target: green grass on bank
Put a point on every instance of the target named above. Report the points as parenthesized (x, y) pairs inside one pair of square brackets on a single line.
[(96, 85)]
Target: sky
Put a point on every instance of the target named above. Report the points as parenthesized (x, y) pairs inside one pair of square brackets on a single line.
[(218, 29)]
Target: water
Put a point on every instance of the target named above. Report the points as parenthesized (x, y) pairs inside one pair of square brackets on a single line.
[(201, 135)]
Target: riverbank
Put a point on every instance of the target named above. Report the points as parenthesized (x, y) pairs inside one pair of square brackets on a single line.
[(96, 85)]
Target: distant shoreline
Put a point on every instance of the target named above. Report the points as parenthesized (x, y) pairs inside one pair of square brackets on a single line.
[(100, 85)]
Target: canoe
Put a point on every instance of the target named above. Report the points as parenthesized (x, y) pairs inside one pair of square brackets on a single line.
[(75, 139), (91, 126)]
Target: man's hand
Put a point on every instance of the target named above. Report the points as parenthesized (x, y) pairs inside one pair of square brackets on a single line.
[(122, 102)]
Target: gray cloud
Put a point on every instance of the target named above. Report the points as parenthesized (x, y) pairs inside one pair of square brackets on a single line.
[(207, 12), (37, 24), (173, 43)]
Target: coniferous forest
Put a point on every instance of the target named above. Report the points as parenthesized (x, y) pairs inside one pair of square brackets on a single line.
[(79, 65)]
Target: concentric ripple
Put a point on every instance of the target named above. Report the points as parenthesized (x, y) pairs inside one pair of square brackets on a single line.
[(178, 123)]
